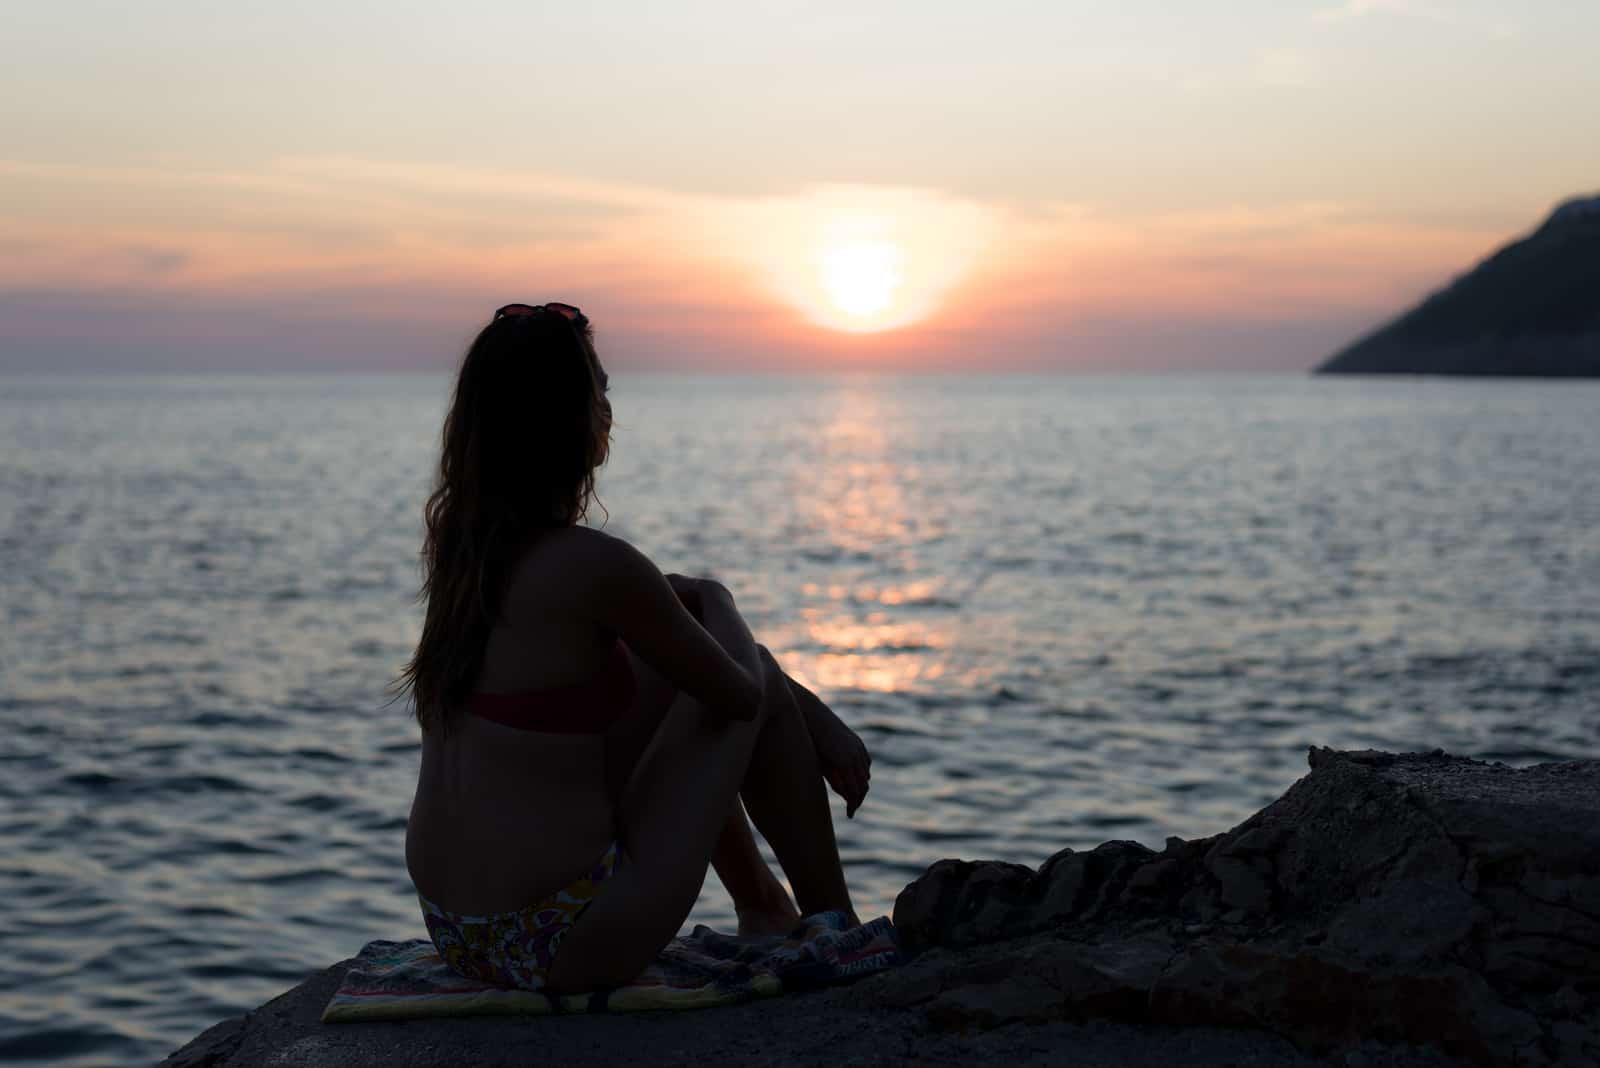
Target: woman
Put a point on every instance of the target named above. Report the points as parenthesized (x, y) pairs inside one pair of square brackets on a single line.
[(589, 724)]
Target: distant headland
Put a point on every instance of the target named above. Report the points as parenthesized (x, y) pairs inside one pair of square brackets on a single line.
[(1532, 308)]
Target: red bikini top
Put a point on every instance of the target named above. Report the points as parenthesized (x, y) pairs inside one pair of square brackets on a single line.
[(582, 708)]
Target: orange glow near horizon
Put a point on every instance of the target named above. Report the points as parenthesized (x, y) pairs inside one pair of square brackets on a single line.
[(824, 276), (857, 259)]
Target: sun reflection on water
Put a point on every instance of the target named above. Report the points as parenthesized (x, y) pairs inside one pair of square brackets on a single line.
[(890, 627)]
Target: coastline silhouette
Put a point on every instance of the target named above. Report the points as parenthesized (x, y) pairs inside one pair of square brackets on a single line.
[(1532, 308)]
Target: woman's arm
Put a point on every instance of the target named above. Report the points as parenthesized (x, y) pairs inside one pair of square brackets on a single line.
[(721, 619), (717, 662)]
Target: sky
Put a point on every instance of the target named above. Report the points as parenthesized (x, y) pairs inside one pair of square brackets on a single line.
[(730, 185)]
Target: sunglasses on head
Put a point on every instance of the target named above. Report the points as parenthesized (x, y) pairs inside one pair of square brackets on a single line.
[(568, 312)]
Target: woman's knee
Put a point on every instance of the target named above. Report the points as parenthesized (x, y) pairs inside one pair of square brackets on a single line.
[(774, 683)]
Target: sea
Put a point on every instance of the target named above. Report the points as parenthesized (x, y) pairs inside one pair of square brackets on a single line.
[(1058, 609)]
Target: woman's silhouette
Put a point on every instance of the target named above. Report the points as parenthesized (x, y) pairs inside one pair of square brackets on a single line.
[(590, 724)]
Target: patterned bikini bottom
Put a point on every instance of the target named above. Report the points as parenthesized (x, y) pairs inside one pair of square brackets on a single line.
[(514, 948)]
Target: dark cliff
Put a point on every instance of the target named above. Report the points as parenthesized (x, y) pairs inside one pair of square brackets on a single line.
[(1532, 308)]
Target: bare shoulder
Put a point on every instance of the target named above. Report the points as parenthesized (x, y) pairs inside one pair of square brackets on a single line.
[(573, 562), (595, 548)]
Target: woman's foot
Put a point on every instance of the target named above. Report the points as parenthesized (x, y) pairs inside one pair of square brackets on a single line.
[(763, 906), (773, 914)]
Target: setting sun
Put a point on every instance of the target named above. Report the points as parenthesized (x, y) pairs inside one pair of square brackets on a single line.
[(861, 276), (857, 259)]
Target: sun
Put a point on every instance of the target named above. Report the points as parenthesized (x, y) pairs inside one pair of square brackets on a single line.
[(861, 277), (854, 258)]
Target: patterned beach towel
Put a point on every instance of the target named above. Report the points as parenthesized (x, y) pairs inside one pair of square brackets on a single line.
[(406, 980)]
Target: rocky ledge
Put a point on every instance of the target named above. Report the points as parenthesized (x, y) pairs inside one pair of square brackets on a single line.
[(1418, 908)]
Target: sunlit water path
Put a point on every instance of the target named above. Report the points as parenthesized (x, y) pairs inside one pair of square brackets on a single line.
[(1060, 610)]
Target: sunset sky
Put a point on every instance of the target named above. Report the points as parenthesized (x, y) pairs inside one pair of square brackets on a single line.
[(726, 185)]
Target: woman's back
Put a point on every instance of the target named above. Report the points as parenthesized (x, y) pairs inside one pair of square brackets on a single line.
[(505, 815)]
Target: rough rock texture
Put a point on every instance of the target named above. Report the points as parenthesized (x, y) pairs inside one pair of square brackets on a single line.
[(1421, 898), (1387, 910)]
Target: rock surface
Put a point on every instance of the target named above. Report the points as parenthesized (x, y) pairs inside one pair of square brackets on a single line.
[(1416, 909), (1421, 898), (1532, 308)]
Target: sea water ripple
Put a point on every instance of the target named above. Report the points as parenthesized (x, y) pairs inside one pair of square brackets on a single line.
[(1059, 610)]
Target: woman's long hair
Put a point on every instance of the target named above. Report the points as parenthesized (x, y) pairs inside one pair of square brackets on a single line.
[(528, 425)]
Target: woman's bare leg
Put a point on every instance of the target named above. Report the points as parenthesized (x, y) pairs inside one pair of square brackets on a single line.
[(788, 801), (675, 807), (759, 899), (672, 812)]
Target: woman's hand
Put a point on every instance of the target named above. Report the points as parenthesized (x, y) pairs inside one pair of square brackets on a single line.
[(846, 764)]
